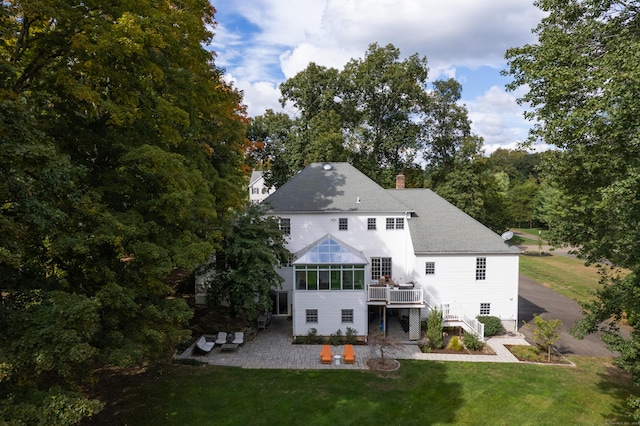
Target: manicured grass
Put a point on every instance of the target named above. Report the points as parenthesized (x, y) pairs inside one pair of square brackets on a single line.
[(532, 239), (566, 275), (420, 392), (534, 232)]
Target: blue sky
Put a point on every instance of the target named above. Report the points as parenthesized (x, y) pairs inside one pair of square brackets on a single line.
[(261, 43)]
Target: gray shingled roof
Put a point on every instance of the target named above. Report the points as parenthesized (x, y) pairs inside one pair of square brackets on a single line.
[(341, 187), (436, 226)]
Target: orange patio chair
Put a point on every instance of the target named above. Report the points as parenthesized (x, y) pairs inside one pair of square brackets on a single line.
[(349, 354), (326, 355)]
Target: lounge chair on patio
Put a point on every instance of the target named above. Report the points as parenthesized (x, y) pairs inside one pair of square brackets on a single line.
[(205, 345), (326, 355), (238, 338), (349, 354), (222, 338)]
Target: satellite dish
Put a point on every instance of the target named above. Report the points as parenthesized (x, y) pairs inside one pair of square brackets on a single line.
[(507, 235), (327, 167)]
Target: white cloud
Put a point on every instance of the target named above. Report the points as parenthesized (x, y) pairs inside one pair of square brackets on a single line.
[(497, 117), (282, 37), (296, 60)]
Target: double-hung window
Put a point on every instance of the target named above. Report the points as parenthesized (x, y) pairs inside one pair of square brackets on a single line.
[(284, 224), (343, 224), (430, 268), (395, 223), (485, 309), (371, 224), (380, 266), (347, 316), (481, 268), (312, 316)]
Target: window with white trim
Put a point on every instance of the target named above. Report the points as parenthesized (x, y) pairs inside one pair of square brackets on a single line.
[(347, 316), (255, 190), (391, 223), (430, 268), (312, 316), (481, 268), (329, 277), (395, 223), (284, 224), (371, 224), (485, 309), (380, 266), (343, 224)]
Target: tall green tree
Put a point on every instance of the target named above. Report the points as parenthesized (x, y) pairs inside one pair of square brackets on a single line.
[(245, 269), (583, 76), (471, 186), (447, 128), (123, 151), (384, 105), (277, 146)]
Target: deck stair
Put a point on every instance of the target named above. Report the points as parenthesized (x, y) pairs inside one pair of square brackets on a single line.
[(454, 315)]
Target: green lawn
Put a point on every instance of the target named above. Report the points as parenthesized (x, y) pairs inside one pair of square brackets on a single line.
[(566, 275), (420, 392)]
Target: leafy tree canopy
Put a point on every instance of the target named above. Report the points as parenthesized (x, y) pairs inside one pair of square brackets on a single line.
[(245, 269), (121, 156), (583, 76)]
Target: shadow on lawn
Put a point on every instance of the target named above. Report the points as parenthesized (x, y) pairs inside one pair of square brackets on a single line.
[(435, 397), (617, 383)]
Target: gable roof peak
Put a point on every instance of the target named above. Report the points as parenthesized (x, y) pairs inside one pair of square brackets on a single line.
[(332, 186)]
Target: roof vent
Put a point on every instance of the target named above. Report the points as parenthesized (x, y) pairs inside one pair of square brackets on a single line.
[(327, 167)]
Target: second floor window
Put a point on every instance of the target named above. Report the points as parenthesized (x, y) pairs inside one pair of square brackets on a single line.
[(395, 223), (371, 224), (380, 267), (481, 268), (284, 224), (430, 268), (343, 224)]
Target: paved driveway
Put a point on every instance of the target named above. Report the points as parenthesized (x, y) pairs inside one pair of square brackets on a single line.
[(537, 299)]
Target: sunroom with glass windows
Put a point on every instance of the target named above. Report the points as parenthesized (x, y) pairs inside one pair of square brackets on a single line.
[(329, 264)]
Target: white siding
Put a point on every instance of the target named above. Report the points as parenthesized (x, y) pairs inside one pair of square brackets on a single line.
[(329, 305), (262, 191), (454, 281), (308, 228)]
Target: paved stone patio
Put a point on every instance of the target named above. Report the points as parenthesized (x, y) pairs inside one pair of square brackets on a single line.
[(273, 348)]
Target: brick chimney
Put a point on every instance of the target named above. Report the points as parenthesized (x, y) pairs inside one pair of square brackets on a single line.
[(400, 181)]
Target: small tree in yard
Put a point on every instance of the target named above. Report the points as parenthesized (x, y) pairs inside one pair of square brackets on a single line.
[(545, 333), (434, 329), (383, 344)]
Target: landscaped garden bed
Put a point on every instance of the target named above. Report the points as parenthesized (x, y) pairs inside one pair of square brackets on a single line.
[(526, 353)]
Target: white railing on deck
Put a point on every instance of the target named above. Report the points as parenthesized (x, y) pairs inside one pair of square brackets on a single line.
[(405, 296), (392, 295), (454, 312), (378, 293)]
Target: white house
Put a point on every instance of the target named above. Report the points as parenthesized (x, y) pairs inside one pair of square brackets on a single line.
[(258, 191), (346, 234)]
